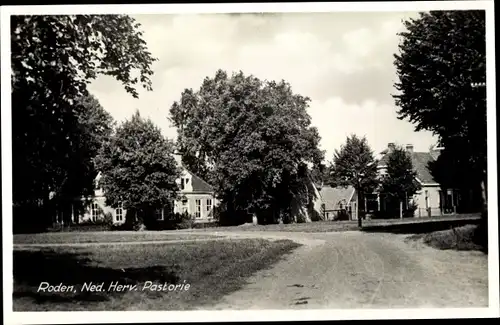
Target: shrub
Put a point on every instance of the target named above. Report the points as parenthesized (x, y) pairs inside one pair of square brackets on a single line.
[(342, 215), (235, 218), (183, 221), (410, 210), (108, 219)]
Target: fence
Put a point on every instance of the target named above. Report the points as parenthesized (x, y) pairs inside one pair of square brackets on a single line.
[(339, 214)]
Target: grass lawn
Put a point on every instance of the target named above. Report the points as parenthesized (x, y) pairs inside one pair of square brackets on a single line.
[(103, 236), (316, 226), (212, 269), (335, 226), (460, 238)]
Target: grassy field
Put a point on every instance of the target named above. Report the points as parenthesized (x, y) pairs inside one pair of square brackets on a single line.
[(103, 236), (351, 225), (317, 226), (211, 269)]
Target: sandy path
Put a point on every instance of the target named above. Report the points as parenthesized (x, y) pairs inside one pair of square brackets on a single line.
[(350, 270), (360, 270)]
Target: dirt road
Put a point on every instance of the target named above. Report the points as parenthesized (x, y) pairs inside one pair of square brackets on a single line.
[(351, 270), (360, 270)]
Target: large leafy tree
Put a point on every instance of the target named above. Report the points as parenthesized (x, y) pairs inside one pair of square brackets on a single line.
[(442, 56), (355, 165), (251, 139), (399, 183), (94, 126), (53, 58), (320, 174), (138, 169)]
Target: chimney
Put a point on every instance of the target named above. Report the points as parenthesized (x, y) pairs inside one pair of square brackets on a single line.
[(409, 148), (391, 146)]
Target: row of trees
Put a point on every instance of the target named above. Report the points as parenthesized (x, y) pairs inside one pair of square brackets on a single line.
[(251, 139)]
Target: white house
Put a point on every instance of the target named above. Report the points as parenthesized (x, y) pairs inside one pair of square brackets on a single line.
[(197, 198), (430, 200)]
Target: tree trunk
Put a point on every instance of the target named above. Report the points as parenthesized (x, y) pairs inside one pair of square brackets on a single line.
[(484, 199), (360, 224), (482, 229), (400, 209), (47, 210)]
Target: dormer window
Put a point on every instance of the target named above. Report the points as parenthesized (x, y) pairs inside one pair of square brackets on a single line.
[(184, 182)]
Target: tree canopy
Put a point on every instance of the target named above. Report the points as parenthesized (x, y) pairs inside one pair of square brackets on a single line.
[(251, 139), (53, 59), (441, 55), (355, 165), (137, 167), (93, 127), (399, 183)]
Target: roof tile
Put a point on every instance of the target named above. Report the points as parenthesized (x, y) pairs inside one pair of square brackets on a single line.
[(332, 196)]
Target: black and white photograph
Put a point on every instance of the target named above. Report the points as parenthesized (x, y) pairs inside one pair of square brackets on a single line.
[(249, 161)]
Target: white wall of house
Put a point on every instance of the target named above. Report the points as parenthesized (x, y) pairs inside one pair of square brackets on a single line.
[(97, 209), (428, 197), (199, 205)]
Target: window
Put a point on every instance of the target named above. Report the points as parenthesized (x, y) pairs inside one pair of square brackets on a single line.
[(95, 211), (209, 205), (185, 206), (159, 214), (426, 199), (119, 212), (184, 182), (198, 209)]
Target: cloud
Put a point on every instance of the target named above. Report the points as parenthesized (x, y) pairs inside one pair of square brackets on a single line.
[(342, 61), (337, 119)]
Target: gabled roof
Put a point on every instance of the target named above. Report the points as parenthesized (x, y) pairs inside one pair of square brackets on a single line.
[(420, 161), (199, 185), (383, 158), (332, 196)]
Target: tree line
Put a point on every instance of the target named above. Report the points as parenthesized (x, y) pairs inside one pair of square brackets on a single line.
[(251, 139)]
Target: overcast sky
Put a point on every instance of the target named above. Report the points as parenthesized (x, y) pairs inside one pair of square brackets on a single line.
[(342, 61)]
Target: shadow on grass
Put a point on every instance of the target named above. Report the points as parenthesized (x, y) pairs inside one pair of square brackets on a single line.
[(31, 268)]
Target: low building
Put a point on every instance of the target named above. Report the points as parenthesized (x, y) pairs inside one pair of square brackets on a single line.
[(338, 203)]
